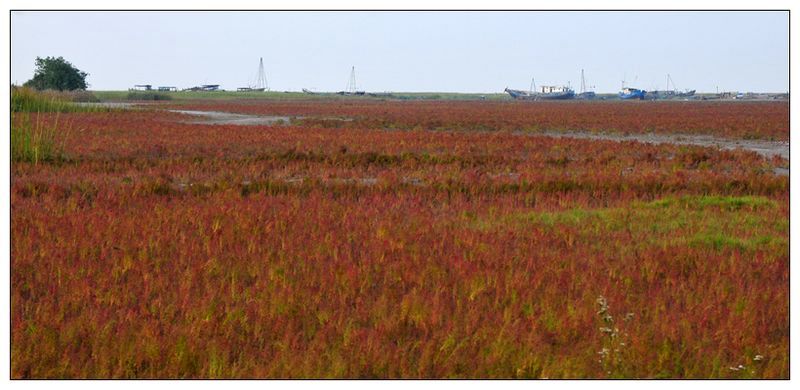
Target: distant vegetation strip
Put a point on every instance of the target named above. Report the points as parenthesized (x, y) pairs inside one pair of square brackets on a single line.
[(148, 95), (24, 99), (280, 95)]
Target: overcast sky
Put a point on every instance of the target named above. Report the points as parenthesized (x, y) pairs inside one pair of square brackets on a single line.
[(412, 51)]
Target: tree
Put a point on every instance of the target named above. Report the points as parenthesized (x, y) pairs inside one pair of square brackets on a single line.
[(58, 74)]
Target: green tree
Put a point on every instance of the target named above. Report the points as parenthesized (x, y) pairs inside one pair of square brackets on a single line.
[(57, 73)]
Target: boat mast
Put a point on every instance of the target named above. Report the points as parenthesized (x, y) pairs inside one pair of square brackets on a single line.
[(351, 85), (261, 79), (533, 86), (583, 83)]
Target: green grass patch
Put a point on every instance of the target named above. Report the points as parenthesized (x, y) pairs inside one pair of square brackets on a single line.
[(744, 223), (571, 217), (720, 241), (731, 203)]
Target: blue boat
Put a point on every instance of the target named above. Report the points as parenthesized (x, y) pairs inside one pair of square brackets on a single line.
[(556, 93), (632, 93)]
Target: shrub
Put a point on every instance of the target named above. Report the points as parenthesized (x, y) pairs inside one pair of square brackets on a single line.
[(76, 96), (57, 73)]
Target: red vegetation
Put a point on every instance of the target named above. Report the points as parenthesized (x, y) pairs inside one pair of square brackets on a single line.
[(762, 120), (168, 249)]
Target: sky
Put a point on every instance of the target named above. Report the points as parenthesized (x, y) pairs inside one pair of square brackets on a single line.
[(480, 52)]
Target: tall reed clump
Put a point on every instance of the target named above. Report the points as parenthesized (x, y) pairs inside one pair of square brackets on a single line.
[(24, 99), (34, 138), (29, 100)]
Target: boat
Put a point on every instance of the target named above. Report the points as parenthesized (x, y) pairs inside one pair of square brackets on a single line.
[(675, 93), (629, 93), (351, 89), (203, 88), (519, 94), (248, 89), (261, 80), (670, 93), (585, 94), (545, 92), (556, 93)]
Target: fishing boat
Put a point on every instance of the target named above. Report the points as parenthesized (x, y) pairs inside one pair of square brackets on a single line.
[(629, 93), (519, 94), (260, 84), (556, 92), (585, 94), (670, 93), (684, 94), (545, 92), (351, 89)]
